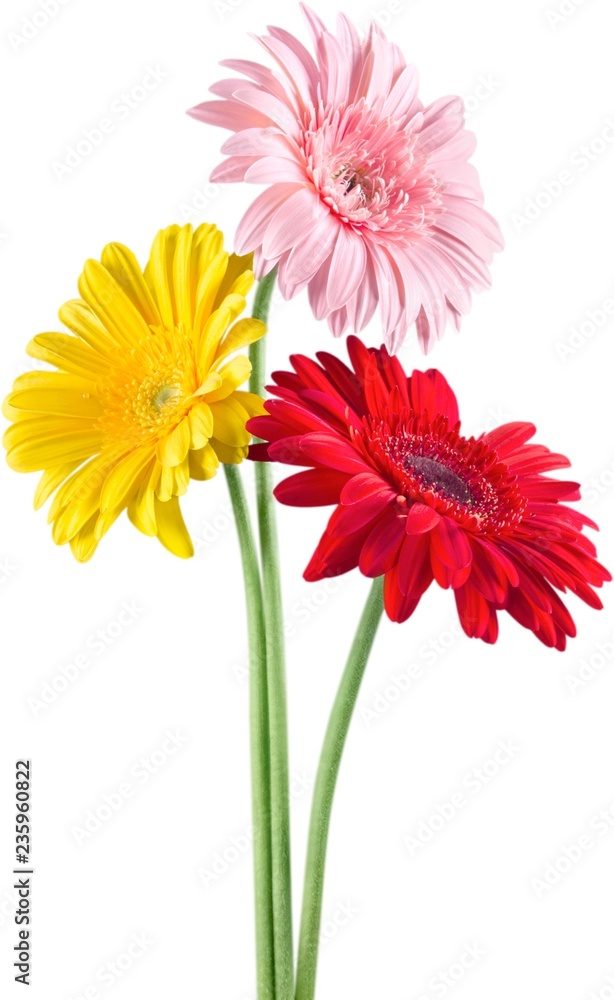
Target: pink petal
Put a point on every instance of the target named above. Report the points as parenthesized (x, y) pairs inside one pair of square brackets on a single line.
[(308, 255), (232, 169), (230, 115), (254, 223), (347, 268), (274, 169), (293, 219)]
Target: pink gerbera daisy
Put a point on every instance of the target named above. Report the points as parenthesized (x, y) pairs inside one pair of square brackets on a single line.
[(370, 197), (416, 501)]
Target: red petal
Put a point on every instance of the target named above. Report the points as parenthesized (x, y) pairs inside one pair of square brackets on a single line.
[(331, 451), (506, 438), (335, 554), (451, 544), (398, 607), (430, 391), (420, 519), (473, 611), (381, 548), (350, 517), (415, 573), (313, 488), (365, 485)]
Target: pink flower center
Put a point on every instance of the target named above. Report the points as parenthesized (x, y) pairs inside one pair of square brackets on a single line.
[(369, 172)]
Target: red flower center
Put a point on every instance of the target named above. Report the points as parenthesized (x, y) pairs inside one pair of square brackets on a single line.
[(432, 464), (437, 477)]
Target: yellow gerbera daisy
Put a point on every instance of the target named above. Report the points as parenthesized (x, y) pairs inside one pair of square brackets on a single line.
[(146, 395)]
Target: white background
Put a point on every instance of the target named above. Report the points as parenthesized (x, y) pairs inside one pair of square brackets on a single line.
[(538, 88)]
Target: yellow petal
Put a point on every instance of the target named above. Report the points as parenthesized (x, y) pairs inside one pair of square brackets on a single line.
[(141, 510), (204, 463), (75, 516), (54, 399), (173, 482), (229, 420), (105, 521), (239, 277), (158, 274), (69, 354), (84, 544), (212, 382), (207, 243), (112, 306), (201, 425), (122, 265), (174, 447), (172, 531), (165, 490), (182, 277), (212, 332), (79, 318), (124, 479), (246, 331), (41, 449), (251, 402), (86, 481), (49, 482), (206, 290), (227, 454), (233, 374)]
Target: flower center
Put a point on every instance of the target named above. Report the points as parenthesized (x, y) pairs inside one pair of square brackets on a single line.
[(437, 477), (367, 170), (146, 396), (165, 396), (428, 462)]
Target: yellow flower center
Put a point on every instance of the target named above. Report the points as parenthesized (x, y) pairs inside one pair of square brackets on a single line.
[(143, 400)]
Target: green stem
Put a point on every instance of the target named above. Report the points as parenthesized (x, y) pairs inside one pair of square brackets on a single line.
[(259, 729), (276, 673), (324, 791)]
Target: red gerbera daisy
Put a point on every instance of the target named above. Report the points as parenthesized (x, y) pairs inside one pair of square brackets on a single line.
[(416, 501)]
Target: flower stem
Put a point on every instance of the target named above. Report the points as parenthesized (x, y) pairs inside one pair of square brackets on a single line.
[(259, 728), (276, 673), (328, 770)]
